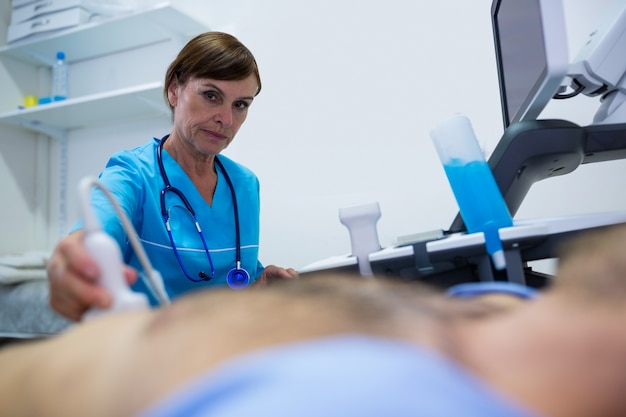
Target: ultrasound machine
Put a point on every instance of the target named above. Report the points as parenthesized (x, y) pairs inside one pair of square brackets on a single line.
[(533, 68)]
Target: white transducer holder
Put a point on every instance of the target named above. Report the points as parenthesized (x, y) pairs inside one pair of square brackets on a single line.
[(361, 223)]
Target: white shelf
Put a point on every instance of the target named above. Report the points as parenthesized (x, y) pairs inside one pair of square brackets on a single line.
[(112, 106), (107, 35)]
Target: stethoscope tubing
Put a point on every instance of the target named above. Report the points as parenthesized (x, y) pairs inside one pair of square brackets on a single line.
[(169, 188)]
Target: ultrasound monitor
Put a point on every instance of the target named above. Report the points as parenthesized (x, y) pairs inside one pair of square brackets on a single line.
[(531, 55)]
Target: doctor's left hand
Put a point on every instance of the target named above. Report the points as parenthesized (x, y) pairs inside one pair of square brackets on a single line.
[(273, 272)]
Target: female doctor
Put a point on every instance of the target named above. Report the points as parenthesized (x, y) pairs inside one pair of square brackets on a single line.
[(168, 183)]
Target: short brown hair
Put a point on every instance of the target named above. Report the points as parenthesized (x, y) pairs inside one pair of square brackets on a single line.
[(215, 55)]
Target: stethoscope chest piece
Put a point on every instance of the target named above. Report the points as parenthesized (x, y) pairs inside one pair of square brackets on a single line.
[(238, 278)]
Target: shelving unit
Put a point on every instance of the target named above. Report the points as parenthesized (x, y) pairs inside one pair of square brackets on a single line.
[(162, 22)]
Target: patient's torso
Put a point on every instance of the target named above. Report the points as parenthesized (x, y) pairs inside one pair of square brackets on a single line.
[(120, 364)]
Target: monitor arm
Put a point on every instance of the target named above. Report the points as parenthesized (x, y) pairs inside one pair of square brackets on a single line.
[(599, 69)]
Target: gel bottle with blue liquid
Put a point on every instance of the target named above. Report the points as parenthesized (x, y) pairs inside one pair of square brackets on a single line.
[(480, 201)]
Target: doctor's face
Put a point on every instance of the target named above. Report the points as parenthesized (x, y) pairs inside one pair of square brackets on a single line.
[(208, 113)]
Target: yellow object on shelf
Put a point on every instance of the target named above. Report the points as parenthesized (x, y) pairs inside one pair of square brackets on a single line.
[(30, 101)]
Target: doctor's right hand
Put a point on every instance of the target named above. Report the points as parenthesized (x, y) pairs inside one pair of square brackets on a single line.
[(73, 279)]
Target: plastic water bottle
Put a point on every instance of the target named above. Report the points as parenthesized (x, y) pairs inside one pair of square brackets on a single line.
[(480, 201), (59, 78)]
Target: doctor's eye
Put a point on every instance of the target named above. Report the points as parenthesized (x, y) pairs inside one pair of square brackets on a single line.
[(212, 96), (241, 105)]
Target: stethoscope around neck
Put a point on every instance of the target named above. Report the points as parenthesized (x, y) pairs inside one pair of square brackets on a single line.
[(237, 277)]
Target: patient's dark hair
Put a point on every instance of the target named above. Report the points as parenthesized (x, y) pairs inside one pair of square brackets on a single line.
[(215, 55)]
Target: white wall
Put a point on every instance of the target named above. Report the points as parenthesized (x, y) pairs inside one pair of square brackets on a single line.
[(350, 91)]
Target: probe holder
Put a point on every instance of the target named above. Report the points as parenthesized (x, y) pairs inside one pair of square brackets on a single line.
[(361, 223)]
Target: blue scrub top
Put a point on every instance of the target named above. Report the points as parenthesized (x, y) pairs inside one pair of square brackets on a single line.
[(349, 375), (133, 177)]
